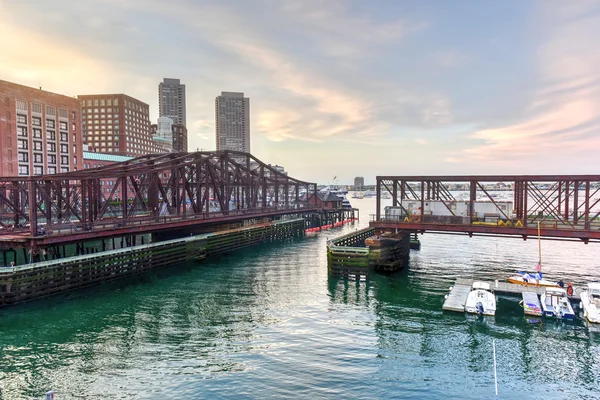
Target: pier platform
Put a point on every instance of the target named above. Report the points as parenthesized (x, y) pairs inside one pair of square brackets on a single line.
[(458, 295)]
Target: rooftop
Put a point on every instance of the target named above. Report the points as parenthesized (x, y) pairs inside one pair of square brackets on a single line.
[(88, 155)]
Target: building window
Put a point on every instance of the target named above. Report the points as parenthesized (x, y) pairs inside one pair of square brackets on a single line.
[(52, 159), (23, 169), (50, 123), (21, 119), (64, 148), (36, 121), (64, 160), (23, 157), (36, 108), (38, 158), (64, 114), (38, 170), (89, 103), (50, 111), (51, 135), (52, 147), (63, 126), (21, 105), (73, 126), (22, 144), (64, 137), (64, 169), (37, 145), (37, 133), (51, 170), (22, 131), (73, 115)]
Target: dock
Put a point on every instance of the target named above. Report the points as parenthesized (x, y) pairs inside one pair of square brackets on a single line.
[(458, 294)]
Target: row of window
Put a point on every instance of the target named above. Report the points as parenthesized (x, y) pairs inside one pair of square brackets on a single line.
[(50, 111), (39, 170), (37, 121), (23, 144), (100, 102)]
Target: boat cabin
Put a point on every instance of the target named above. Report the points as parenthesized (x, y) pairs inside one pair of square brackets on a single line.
[(481, 285), (554, 295), (594, 290)]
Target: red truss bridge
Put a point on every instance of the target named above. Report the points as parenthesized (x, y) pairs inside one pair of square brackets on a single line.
[(564, 206), (147, 194)]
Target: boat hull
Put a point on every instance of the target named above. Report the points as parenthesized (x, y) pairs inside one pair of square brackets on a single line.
[(484, 298), (590, 311), (557, 307), (518, 279)]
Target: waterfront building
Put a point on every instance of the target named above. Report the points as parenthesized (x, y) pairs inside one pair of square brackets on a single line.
[(163, 135), (171, 100), (232, 121), (179, 133), (359, 183), (40, 131), (117, 123)]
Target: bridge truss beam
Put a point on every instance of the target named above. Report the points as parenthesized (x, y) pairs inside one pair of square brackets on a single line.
[(565, 206), (148, 188)]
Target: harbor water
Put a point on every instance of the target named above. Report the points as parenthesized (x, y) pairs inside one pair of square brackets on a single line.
[(268, 322)]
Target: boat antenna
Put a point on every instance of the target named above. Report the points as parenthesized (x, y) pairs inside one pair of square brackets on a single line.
[(495, 374)]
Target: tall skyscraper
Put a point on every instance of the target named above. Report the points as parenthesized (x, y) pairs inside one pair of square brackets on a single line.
[(171, 100), (40, 132), (117, 123), (232, 115)]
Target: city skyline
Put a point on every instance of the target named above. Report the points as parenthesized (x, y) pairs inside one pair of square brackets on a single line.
[(342, 88)]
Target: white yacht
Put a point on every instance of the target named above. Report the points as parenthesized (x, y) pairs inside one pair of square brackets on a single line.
[(590, 302), (481, 300), (556, 304)]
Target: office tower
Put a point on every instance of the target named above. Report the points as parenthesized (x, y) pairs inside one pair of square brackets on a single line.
[(232, 115), (40, 131), (171, 100), (117, 123)]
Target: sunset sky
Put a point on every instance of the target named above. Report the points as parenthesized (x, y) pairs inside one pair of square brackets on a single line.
[(341, 88)]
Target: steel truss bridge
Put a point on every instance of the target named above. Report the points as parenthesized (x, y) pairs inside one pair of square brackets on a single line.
[(146, 194), (564, 206)]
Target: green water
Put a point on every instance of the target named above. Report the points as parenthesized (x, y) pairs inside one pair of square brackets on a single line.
[(269, 322)]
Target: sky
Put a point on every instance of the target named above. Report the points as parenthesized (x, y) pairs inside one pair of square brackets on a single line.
[(341, 88)]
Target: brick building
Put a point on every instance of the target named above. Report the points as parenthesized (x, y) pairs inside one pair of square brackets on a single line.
[(40, 131), (117, 123)]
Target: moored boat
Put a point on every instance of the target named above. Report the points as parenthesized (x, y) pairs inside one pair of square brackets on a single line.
[(556, 304), (590, 302), (527, 279), (481, 300)]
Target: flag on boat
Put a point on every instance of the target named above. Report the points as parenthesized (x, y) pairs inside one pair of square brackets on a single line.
[(538, 268)]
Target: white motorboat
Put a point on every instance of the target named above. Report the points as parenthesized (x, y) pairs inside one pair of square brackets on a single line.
[(481, 300), (556, 304), (590, 302)]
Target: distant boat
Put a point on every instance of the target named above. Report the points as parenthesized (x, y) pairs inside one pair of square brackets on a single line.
[(556, 304), (358, 195), (590, 302), (370, 193), (481, 300)]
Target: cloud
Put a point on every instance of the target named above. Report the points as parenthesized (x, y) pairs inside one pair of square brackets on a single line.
[(563, 117)]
